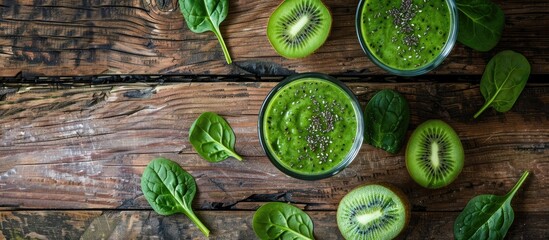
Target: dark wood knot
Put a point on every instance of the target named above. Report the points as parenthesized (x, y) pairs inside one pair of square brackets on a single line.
[(161, 5), (166, 5)]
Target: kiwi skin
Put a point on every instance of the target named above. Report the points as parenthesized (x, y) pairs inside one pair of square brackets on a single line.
[(414, 145), (297, 56), (400, 194)]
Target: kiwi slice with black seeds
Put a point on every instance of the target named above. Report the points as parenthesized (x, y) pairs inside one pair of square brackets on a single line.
[(297, 28), (373, 211), (434, 155)]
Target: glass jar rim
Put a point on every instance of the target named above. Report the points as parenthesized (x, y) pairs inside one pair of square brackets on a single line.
[(353, 152), (445, 51)]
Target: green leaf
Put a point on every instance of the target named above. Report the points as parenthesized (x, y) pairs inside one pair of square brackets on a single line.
[(487, 216), (213, 138), (169, 189), (386, 120), (480, 24), (282, 221), (503, 80), (206, 15)]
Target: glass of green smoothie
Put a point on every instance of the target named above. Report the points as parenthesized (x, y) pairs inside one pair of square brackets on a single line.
[(311, 126), (407, 37)]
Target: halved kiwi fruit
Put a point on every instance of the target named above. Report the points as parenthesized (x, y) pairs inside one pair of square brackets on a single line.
[(373, 211), (297, 28), (434, 155)]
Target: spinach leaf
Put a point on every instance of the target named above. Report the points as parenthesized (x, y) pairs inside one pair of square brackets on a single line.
[(277, 220), (503, 80), (206, 15), (213, 138), (487, 216), (480, 24), (386, 119), (169, 189)]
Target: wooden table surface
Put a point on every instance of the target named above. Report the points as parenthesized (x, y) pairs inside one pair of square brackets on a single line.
[(92, 90)]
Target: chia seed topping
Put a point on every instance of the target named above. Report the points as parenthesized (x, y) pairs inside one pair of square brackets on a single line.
[(321, 123), (402, 20)]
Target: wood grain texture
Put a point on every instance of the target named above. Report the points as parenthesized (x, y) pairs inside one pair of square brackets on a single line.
[(235, 225), (94, 37), (87, 147)]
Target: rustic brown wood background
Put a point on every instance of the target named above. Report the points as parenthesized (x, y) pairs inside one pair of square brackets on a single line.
[(91, 37), (74, 139)]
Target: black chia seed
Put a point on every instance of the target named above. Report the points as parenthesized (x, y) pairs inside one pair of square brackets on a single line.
[(321, 124), (402, 18)]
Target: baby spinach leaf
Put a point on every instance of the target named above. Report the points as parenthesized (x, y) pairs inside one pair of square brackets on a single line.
[(386, 119), (213, 138), (487, 216), (169, 189), (503, 80), (480, 24), (277, 220), (206, 15)]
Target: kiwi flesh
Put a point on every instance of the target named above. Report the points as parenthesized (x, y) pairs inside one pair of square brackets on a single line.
[(434, 154), (373, 211), (298, 28)]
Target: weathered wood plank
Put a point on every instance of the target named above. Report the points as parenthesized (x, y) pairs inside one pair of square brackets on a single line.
[(222, 224), (73, 37), (87, 147)]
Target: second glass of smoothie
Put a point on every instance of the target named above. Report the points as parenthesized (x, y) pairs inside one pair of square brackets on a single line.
[(407, 37)]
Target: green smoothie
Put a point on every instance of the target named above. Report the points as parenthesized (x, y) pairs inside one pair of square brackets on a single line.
[(310, 126), (405, 34)]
